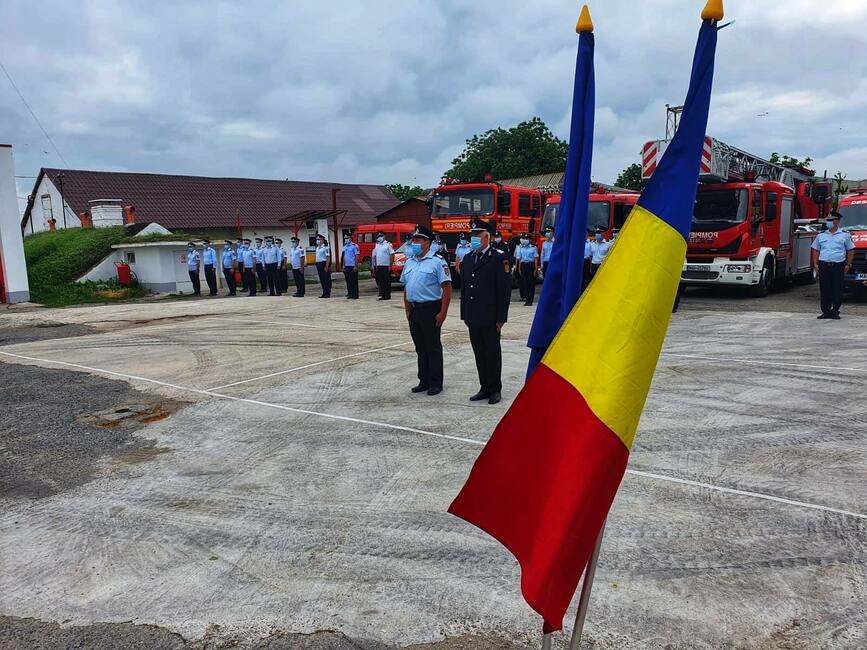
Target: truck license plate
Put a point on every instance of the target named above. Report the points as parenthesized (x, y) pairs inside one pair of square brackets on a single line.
[(695, 268)]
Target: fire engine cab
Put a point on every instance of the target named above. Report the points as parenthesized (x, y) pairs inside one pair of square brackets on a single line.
[(853, 207), (609, 207), (753, 221)]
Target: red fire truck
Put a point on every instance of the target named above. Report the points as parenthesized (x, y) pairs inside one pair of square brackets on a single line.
[(853, 207), (609, 207), (752, 219)]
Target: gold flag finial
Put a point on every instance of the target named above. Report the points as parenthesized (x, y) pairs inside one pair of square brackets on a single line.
[(585, 22), (713, 10)]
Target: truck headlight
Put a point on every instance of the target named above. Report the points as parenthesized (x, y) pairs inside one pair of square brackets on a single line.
[(739, 268)]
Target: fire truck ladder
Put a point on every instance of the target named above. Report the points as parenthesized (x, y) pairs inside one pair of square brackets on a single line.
[(742, 164)]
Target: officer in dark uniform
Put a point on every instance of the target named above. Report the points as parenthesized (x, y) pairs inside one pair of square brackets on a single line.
[(485, 301)]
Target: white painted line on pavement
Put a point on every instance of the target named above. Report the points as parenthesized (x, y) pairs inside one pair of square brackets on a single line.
[(763, 363), (470, 441)]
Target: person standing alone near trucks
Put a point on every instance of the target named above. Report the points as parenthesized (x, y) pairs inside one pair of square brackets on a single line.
[(383, 258), (833, 252)]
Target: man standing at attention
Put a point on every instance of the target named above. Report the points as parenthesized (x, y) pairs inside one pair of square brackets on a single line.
[(383, 258), (282, 267), (228, 261), (833, 252), (349, 257), (297, 259), (323, 265), (271, 257), (239, 255), (249, 265), (193, 268), (547, 247), (209, 260), (598, 251), (528, 266), (485, 298), (426, 298)]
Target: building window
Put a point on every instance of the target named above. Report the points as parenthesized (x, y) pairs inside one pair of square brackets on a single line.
[(524, 205), (47, 212), (130, 257), (310, 225)]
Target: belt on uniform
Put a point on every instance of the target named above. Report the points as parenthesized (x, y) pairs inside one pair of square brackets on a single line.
[(821, 262), (423, 304)]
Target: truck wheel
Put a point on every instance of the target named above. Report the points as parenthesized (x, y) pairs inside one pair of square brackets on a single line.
[(803, 279), (763, 288)]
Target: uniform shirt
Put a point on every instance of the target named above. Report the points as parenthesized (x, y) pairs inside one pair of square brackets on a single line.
[(423, 277), (269, 255), (461, 250), (588, 252), (296, 257), (322, 253), (350, 254), (229, 257), (209, 257), (248, 258), (193, 260), (833, 246), (259, 255), (526, 253), (281, 254), (599, 251), (547, 246), (239, 253), (382, 254)]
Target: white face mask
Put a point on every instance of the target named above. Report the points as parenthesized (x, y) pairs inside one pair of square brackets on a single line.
[(525, 241)]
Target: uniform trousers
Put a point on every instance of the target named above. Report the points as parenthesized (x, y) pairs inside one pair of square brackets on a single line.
[(588, 272), (351, 275), (428, 346), (324, 278), (243, 276), (545, 269), (250, 281), (263, 277), (197, 285), (528, 279), (485, 340), (273, 280), (283, 276), (594, 269), (300, 285), (229, 275), (383, 281), (211, 279), (831, 286)]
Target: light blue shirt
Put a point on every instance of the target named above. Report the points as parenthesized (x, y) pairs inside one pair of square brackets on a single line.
[(281, 254), (833, 247), (322, 253), (193, 259), (296, 256), (269, 255), (209, 257), (526, 253), (350, 254), (599, 251), (229, 257), (588, 252), (547, 246), (423, 277), (461, 250), (249, 258), (259, 255)]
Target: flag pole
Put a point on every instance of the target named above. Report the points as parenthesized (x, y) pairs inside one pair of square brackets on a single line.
[(584, 601), (546, 641)]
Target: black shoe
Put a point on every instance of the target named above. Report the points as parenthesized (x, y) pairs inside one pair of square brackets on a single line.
[(478, 397), (421, 388), (434, 391), (835, 316), (495, 398), (272, 294), (381, 298), (823, 317)]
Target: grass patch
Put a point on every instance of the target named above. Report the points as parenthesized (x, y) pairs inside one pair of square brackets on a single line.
[(177, 235), (56, 259)]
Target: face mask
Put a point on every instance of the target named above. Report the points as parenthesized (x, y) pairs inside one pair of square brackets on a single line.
[(463, 242), (379, 240), (414, 250), (830, 224), (525, 242), (498, 239), (475, 243), (599, 237), (549, 236), (190, 248), (347, 242)]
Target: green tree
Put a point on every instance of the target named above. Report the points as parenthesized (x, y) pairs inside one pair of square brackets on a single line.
[(789, 161), (630, 178), (524, 150), (405, 192), (840, 187)]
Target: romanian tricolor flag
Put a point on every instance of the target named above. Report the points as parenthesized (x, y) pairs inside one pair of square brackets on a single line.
[(545, 482)]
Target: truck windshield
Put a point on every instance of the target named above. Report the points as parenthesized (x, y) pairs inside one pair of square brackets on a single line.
[(854, 217), (463, 202), (598, 215), (720, 207), (549, 219)]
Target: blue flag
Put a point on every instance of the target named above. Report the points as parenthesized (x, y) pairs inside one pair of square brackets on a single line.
[(563, 281)]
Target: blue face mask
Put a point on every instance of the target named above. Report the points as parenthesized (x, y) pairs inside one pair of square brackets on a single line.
[(414, 249), (475, 242), (599, 237), (830, 224)]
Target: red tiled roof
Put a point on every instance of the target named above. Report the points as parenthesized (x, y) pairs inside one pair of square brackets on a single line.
[(202, 202)]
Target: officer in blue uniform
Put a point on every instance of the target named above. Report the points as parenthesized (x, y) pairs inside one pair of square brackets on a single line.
[(259, 258), (349, 257), (588, 256), (249, 264), (547, 247), (239, 256), (228, 260), (323, 265), (209, 261), (485, 298), (599, 249), (270, 256), (833, 254), (528, 264), (426, 298), (193, 259), (282, 266), (297, 260)]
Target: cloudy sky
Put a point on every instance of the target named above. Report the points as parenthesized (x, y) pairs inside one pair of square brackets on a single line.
[(388, 91)]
